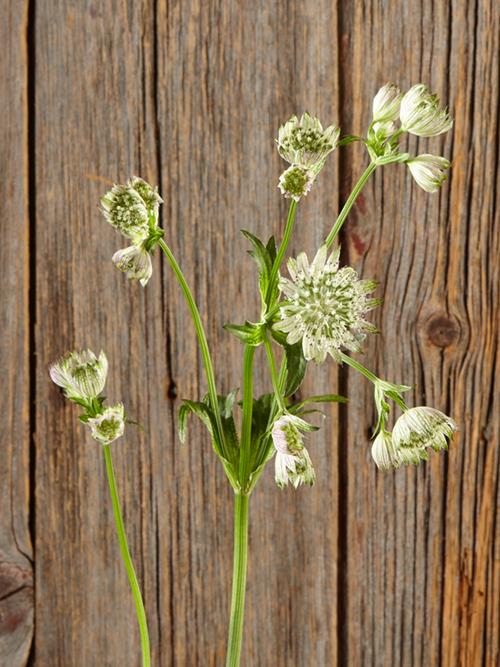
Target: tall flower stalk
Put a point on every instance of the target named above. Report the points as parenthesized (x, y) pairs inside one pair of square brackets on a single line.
[(318, 311)]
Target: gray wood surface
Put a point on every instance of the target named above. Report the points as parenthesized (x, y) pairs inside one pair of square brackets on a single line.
[(364, 569)]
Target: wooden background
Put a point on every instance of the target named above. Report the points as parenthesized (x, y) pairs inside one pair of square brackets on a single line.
[(366, 568)]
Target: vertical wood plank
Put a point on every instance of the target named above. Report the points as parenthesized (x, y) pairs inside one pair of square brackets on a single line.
[(16, 578), (421, 545)]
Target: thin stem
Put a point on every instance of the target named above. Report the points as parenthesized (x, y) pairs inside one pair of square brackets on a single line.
[(349, 203), (359, 367), (202, 339), (246, 426), (283, 246), (274, 376), (240, 557), (132, 578)]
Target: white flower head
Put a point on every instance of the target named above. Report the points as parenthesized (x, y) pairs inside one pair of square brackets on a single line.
[(419, 429), (125, 210), (386, 103), (295, 182), (305, 143), (135, 262), (383, 452), (109, 425), (429, 171), (293, 463), (326, 306), (421, 113), (149, 194), (82, 375)]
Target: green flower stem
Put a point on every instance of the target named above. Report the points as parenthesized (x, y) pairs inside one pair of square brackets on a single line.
[(274, 376), (246, 426), (132, 578), (360, 368), (240, 556), (349, 203), (283, 246), (202, 339)]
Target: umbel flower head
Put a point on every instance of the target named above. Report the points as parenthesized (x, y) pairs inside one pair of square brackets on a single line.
[(386, 104), (421, 113), (326, 306), (419, 429), (135, 262), (305, 143), (295, 182), (109, 425), (429, 171), (82, 375), (293, 463)]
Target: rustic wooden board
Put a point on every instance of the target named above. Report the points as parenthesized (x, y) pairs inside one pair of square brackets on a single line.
[(16, 576), (365, 568)]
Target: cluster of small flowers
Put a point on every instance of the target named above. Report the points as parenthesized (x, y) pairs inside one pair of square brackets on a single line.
[(82, 376), (132, 209), (305, 146), (420, 113)]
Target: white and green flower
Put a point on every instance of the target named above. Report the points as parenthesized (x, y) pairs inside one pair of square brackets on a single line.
[(109, 425), (326, 306), (386, 104), (295, 182), (82, 375), (293, 463), (304, 143), (148, 193), (135, 262), (383, 451), (429, 171), (421, 113), (125, 210), (419, 429)]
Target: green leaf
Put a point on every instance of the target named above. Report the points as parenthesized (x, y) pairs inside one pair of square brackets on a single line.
[(204, 414), (320, 398), (296, 365), (250, 333)]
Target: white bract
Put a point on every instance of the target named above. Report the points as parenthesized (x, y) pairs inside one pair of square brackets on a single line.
[(419, 429), (386, 103), (293, 463), (421, 113), (109, 425), (429, 171), (305, 143), (326, 306), (82, 375), (383, 452), (135, 261)]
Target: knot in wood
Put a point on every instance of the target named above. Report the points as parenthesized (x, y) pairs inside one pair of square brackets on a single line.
[(442, 330)]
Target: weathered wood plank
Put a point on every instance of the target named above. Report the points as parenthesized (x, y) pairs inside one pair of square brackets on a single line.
[(421, 546), (16, 578)]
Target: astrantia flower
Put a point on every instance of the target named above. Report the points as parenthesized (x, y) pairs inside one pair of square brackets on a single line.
[(149, 194), (421, 113), (304, 142), (386, 103), (81, 374), (109, 425), (383, 452), (295, 182), (293, 463), (135, 262), (124, 209), (419, 429), (429, 171), (326, 306)]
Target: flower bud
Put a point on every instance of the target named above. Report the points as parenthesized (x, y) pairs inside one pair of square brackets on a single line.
[(81, 374), (293, 463), (386, 103), (383, 452), (109, 425), (421, 113), (429, 171), (149, 194), (135, 262)]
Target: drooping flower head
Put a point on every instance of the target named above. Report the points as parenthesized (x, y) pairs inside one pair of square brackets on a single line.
[(386, 103), (295, 182), (421, 113), (429, 171), (109, 425), (305, 143), (293, 463), (383, 451), (419, 429), (326, 306), (82, 375), (135, 262)]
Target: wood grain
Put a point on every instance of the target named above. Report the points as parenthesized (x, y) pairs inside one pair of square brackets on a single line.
[(16, 576), (365, 568)]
